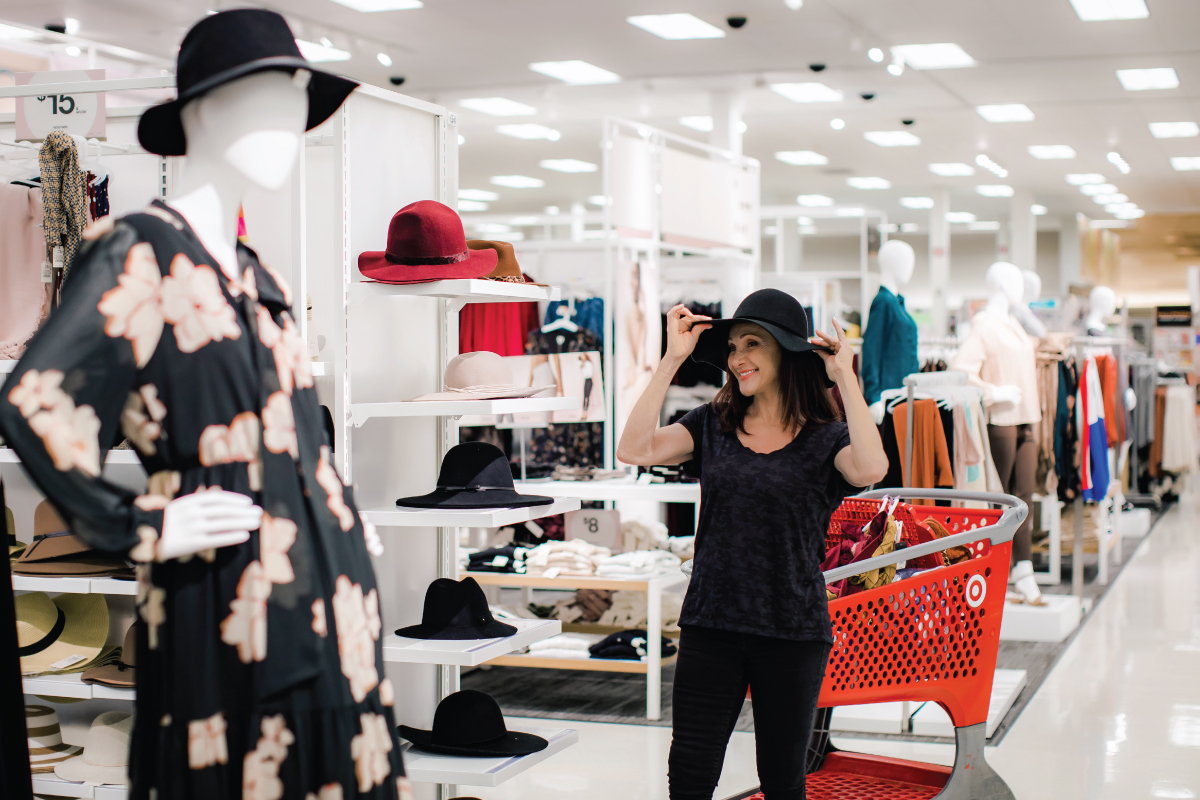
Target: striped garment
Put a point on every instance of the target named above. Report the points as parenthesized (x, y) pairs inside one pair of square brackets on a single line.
[(46, 747)]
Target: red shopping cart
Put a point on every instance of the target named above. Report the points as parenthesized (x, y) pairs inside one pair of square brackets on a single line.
[(932, 637)]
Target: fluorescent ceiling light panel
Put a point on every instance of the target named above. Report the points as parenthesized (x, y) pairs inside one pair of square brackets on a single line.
[(837, 124), (1038, 210), (952, 170), (517, 181), (704, 124), (814, 200), (497, 106), (10, 32), (1141, 80), (804, 221), (370, 6), (598, 200), (1084, 178), (471, 205), (1132, 213), (959, 217), (1185, 163), (318, 53), (808, 230), (1113, 208), (1051, 151), (994, 190), (868, 183), (892, 138), (946, 55), (916, 202), (801, 158), (847, 212), (477, 194), (1174, 130), (576, 73), (983, 226), (1104, 10), (1109, 199), (384, 58), (676, 26), (909, 227), (1121, 164), (491, 227), (529, 130), (567, 165), (807, 92), (1010, 112), (1097, 188)]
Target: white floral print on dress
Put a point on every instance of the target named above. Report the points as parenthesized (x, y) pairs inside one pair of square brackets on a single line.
[(330, 791), (319, 626), (246, 284), (275, 538), (260, 767), (404, 788), (387, 695), (369, 750), (291, 357), (268, 331), (146, 550), (279, 426), (141, 420), (236, 442), (328, 479), (192, 301), (284, 286), (151, 604), (134, 307), (69, 434), (37, 391), (206, 742), (246, 626), (358, 625)]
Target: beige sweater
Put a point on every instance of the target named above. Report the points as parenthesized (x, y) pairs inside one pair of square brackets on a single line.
[(24, 299), (998, 352)]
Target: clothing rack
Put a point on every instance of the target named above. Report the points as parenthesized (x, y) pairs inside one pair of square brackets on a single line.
[(1135, 497), (924, 381)]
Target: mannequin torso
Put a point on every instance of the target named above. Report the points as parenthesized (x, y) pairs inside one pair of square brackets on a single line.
[(890, 340)]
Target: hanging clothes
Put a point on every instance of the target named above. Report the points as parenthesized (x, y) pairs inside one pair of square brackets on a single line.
[(1179, 430), (887, 433), (1114, 404), (969, 472), (589, 314), (64, 197), (998, 352), (931, 457), (24, 299), (1051, 350), (1066, 436), (573, 444), (500, 328), (1093, 434), (1156, 445), (889, 348)]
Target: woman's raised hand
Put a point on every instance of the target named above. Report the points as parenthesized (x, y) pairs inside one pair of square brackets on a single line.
[(839, 357), (683, 331)]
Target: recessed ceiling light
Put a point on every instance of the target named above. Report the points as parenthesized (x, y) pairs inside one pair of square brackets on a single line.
[(471, 205), (804, 220), (1009, 112), (946, 55), (598, 200), (477, 194), (875, 54), (1174, 130), (497, 106), (1109, 199), (704, 124), (1131, 213), (576, 73), (991, 166), (529, 130), (676, 26), (801, 158), (1185, 163), (1140, 80), (552, 210), (73, 51), (567, 165), (1102, 10), (807, 92), (837, 124), (1116, 208), (916, 202), (814, 200), (369, 6), (71, 26), (517, 181), (868, 183), (1092, 189), (461, 140), (383, 58), (888, 227), (1120, 163), (959, 217), (952, 170), (10, 32), (1051, 151), (892, 138), (320, 52), (909, 227), (983, 226), (1084, 178), (994, 190), (847, 212), (808, 230), (1038, 210), (896, 69)]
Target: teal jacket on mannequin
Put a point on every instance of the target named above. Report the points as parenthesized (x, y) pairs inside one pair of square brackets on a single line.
[(889, 350)]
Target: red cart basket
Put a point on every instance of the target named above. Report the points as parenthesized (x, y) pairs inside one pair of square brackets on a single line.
[(932, 637)]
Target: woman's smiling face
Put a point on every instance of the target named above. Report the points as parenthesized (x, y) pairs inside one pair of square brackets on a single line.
[(754, 358)]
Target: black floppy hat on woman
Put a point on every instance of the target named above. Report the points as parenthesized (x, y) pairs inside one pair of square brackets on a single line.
[(776, 457)]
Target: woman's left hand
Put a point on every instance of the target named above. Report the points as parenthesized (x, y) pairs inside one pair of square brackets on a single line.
[(839, 357)]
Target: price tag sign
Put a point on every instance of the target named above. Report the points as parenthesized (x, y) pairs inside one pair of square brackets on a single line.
[(80, 113), (598, 526)]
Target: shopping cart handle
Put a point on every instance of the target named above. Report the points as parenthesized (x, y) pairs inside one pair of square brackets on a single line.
[(1003, 530)]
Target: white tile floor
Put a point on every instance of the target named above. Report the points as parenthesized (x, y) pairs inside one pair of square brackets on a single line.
[(1117, 718)]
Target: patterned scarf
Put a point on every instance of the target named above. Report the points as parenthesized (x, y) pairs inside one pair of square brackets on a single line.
[(64, 197)]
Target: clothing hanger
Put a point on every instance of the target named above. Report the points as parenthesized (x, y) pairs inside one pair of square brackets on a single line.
[(563, 323)]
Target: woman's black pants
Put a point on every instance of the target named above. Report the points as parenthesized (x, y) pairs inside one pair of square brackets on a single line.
[(712, 673)]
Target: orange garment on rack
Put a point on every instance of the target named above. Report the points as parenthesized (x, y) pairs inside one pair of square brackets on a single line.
[(931, 456), (1114, 408), (1156, 447)]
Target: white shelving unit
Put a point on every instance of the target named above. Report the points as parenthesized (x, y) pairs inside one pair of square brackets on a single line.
[(617, 489), (361, 412), (468, 652), (467, 517), (459, 292), (73, 686), (115, 586), (9, 456), (486, 771), (49, 784)]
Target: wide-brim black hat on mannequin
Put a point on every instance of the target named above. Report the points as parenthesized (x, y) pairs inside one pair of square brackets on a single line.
[(224, 47), (780, 314)]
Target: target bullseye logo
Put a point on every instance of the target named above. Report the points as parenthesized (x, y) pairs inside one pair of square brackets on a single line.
[(976, 591)]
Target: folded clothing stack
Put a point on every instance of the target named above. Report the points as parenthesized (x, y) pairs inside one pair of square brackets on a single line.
[(562, 473), (566, 645), (628, 645), (682, 546), (576, 557), (638, 533), (638, 565), (628, 610), (499, 559), (588, 605)]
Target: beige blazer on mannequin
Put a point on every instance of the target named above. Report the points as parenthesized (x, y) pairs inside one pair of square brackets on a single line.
[(998, 352)]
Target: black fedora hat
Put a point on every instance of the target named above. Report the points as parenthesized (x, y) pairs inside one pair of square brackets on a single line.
[(778, 312), (475, 475), (456, 610), (469, 723), (226, 46)]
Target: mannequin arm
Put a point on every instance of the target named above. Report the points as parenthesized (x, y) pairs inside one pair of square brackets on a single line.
[(969, 359)]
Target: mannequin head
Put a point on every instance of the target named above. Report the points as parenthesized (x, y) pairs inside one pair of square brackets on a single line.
[(896, 261), (1102, 304), (1033, 286), (1006, 280)]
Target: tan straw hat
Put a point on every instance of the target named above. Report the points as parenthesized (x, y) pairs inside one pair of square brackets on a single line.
[(60, 633), (105, 757), (55, 551), (480, 376), (121, 673), (44, 738)]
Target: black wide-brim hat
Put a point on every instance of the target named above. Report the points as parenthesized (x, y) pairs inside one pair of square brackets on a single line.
[(470, 723), (475, 475), (226, 46), (456, 610), (780, 314)]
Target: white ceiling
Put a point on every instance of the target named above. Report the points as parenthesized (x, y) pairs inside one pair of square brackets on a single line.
[(1035, 52)]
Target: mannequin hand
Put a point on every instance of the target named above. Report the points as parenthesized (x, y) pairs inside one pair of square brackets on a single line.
[(1006, 394), (839, 357), (1130, 399), (205, 520), (683, 331), (374, 543), (877, 411)]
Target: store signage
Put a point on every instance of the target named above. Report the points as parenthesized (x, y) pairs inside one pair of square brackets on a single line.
[(78, 113), (1173, 316), (596, 526)]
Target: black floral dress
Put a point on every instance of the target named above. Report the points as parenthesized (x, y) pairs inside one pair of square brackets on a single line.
[(260, 671)]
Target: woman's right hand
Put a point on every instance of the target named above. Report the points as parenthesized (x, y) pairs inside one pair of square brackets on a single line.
[(683, 331)]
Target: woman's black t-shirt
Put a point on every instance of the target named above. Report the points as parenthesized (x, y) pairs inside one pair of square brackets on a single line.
[(761, 538)]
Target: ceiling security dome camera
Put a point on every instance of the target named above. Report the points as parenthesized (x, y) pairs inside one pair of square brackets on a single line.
[(736, 22), (817, 67), (397, 80), (867, 95), (908, 121)]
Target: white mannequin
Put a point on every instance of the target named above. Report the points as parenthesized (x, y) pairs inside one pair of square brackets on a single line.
[(1024, 314), (1008, 286), (896, 262), (1102, 304)]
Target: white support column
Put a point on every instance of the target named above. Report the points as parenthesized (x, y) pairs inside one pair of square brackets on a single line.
[(939, 258), (726, 108), (1022, 231), (1069, 253), (793, 246), (654, 649)]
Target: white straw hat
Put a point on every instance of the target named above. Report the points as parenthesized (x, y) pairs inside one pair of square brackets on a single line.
[(44, 739), (480, 376), (105, 756), (57, 634)]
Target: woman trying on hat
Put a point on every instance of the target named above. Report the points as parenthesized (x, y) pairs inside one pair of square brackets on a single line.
[(775, 459)]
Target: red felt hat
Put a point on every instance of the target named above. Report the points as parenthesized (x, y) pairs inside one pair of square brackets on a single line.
[(426, 243)]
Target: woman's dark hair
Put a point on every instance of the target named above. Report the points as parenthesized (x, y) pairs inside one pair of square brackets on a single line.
[(802, 395)]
